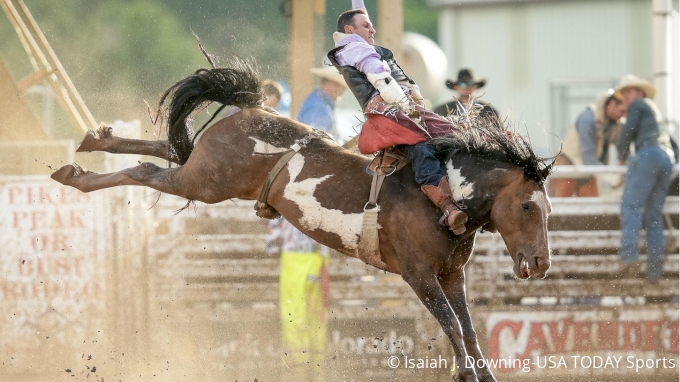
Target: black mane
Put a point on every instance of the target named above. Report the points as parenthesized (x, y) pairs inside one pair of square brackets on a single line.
[(490, 138)]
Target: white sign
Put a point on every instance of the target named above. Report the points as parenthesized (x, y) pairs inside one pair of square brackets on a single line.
[(52, 253)]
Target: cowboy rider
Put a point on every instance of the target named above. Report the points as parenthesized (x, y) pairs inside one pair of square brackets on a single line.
[(394, 108)]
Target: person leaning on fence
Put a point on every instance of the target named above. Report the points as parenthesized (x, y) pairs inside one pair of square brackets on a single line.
[(466, 85), (587, 143), (393, 107), (647, 179)]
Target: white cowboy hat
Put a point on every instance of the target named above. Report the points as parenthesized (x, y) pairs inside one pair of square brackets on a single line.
[(633, 81), (330, 73)]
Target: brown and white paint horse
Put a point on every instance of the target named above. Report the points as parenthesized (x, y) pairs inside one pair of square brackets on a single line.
[(323, 190)]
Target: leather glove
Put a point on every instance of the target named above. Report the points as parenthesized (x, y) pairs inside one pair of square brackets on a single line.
[(390, 91), (415, 93)]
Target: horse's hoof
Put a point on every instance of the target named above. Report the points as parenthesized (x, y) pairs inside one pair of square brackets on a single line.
[(68, 174), (94, 140), (65, 174), (487, 378), (469, 378)]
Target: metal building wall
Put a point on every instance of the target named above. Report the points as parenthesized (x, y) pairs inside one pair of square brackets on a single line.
[(524, 48)]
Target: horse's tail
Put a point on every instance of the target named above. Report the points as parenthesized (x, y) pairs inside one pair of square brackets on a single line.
[(238, 85)]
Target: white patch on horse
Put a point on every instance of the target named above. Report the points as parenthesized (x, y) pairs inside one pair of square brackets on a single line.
[(315, 216), (541, 200), (460, 187), (262, 147)]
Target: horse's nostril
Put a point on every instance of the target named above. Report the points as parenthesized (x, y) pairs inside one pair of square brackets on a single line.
[(543, 264), (523, 266)]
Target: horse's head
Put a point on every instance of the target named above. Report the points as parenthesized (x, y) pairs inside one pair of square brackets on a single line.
[(520, 214), (503, 180)]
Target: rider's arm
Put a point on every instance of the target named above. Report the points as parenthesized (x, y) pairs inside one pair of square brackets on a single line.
[(363, 56), (389, 89)]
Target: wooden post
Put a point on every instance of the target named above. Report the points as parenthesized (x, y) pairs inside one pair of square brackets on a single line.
[(45, 61), (301, 57), (662, 39), (320, 37), (390, 25)]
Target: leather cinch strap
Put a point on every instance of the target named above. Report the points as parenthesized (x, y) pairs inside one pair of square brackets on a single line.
[(264, 194), (297, 146), (368, 250)]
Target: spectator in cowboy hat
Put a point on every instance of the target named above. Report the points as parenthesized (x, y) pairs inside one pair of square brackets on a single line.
[(466, 85), (318, 109), (648, 177)]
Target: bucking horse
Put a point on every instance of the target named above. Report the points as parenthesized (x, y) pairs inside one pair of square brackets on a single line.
[(323, 190)]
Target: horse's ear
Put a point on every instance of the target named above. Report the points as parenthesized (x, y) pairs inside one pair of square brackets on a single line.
[(545, 172)]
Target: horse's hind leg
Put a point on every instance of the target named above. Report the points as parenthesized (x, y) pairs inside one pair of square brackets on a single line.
[(167, 180), (104, 140), (425, 284)]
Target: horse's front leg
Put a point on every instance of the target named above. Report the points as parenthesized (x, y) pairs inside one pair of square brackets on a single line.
[(454, 288), (453, 285), (424, 282), (104, 140)]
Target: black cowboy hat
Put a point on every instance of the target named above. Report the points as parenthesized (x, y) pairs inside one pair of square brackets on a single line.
[(467, 77)]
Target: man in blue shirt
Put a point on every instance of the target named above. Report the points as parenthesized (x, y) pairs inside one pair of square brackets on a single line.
[(647, 179), (318, 109)]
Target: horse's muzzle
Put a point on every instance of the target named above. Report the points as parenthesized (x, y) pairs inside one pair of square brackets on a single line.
[(531, 266)]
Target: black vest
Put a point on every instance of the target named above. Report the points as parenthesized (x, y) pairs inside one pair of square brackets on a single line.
[(357, 81)]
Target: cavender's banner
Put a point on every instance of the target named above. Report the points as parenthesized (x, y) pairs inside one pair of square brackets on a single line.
[(622, 340)]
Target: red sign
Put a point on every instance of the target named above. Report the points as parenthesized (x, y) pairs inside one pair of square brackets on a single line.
[(546, 338)]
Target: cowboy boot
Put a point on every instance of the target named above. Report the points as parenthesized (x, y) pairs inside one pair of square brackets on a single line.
[(441, 197)]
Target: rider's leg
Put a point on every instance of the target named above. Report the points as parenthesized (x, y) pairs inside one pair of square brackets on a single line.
[(435, 184)]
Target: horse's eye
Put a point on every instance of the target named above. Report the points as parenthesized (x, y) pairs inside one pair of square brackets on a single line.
[(525, 206)]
